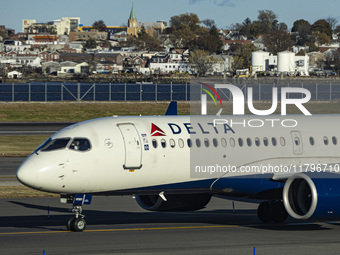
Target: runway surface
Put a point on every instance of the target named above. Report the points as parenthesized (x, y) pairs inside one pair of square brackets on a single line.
[(8, 168), (32, 128), (116, 225)]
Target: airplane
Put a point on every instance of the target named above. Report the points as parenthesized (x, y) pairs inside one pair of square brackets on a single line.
[(177, 163)]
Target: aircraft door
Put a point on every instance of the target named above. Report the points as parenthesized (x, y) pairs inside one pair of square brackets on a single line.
[(297, 142), (133, 146)]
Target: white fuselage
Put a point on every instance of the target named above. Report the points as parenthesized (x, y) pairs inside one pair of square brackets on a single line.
[(123, 157)]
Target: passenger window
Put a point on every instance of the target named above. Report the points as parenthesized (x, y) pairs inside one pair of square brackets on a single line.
[(274, 142), (265, 141), (80, 144), (311, 140), (297, 141), (215, 142), (172, 143), (257, 141), (224, 142), (282, 141), (55, 144), (334, 140), (189, 142), (198, 142), (240, 142), (163, 143), (232, 142), (154, 143), (325, 140), (249, 143), (180, 143), (206, 142)]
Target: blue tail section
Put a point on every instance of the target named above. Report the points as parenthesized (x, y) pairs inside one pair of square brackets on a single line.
[(172, 109)]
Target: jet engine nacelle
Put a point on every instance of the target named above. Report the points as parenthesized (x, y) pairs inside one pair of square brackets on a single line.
[(312, 196), (183, 202)]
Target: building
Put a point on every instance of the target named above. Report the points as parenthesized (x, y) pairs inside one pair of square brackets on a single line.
[(62, 26), (133, 28), (86, 35), (285, 63)]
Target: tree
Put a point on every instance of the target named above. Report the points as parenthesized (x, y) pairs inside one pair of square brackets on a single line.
[(184, 30), (277, 41), (191, 20), (268, 20), (322, 26), (147, 42), (332, 22), (332, 61), (283, 26), (337, 29), (298, 23), (244, 51), (199, 60), (99, 25), (304, 32), (209, 23), (90, 44), (320, 38)]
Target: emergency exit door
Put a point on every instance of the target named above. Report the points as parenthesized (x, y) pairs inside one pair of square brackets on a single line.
[(133, 147)]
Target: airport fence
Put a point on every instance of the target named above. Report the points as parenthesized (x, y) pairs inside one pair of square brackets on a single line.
[(321, 90)]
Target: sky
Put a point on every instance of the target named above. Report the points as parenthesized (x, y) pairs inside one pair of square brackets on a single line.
[(116, 12)]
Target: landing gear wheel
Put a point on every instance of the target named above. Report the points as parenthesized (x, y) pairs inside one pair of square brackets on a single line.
[(273, 211), (264, 212), (278, 212), (78, 225), (69, 225)]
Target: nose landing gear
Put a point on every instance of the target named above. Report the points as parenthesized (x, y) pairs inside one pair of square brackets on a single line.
[(76, 223)]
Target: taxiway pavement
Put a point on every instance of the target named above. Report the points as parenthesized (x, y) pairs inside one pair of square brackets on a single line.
[(117, 225)]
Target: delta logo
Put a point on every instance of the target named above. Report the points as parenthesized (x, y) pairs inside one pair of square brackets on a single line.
[(156, 131)]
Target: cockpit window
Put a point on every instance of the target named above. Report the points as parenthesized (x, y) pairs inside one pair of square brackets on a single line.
[(80, 144), (55, 144)]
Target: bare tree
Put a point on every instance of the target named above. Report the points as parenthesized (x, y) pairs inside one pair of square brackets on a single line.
[(332, 22)]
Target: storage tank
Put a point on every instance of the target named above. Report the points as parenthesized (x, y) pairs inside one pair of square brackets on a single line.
[(286, 62), (259, 59)]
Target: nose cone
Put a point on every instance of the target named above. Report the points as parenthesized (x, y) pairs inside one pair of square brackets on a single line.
[(27, 173)]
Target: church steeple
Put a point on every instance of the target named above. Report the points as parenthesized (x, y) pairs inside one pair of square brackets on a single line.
[(132, 22)]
